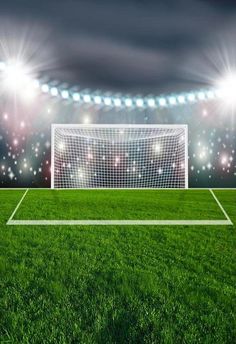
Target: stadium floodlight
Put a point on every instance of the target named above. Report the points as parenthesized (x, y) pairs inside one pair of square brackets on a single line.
[(54, 91), (119, 156), (172, 100), (151, 102), (15, 75), (107, 101), (97, 100), (128, 102), (139, 102), (86, 98), (117, 102), (65, 94), (191, 97), (181, 99), (162, 101), (45, 88), (201, 95), (226, 89), (76, 97), (210, 94), (28, 94), (218, 93)]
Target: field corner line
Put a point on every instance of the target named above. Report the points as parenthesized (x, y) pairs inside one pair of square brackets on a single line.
[(221, 207), (10, 221)]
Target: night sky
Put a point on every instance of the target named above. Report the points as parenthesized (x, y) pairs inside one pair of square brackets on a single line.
[(134, 47), (149, 46)]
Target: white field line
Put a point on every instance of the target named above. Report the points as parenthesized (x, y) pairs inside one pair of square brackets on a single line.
[(221, 207), (16, 208), (142, 189), (120, 222)]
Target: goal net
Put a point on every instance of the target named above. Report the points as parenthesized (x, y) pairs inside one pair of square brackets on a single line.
[(119, 156)]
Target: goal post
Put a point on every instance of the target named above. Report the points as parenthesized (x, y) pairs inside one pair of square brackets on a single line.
[(119, 156)]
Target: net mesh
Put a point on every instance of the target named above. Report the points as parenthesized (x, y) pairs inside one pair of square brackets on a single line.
[(119, 157)]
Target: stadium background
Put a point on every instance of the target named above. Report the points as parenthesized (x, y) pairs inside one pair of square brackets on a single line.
[(131, 47), (25, 142)]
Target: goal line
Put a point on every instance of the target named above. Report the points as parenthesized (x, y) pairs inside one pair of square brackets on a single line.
[(224, 222)]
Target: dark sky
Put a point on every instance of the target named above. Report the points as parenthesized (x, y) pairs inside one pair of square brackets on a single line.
[(129, 46)]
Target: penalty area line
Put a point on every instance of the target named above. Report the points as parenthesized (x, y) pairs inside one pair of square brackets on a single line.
[(220, 206), (17, 207), (119, 222), (225, 222)]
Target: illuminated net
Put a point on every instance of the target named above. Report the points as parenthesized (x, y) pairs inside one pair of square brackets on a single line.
[(119, 156)]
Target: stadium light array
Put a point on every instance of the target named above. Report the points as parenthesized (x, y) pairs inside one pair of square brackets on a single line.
[(122, 101), (17, 76)]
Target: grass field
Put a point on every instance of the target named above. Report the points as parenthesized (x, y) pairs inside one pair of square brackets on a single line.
[(117, 284)]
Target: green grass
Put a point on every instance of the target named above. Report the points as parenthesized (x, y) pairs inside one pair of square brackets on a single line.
[(119, 205), (117, 284)]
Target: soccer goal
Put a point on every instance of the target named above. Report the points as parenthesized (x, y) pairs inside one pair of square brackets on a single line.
[(119, 156)]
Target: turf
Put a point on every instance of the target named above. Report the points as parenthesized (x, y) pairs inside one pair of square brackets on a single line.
[(117, 284), (119, 205)]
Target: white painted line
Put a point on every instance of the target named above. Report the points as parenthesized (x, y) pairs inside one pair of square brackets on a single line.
[(9, 189), (221, 207), (120, 222), (142, 189), (16, 208)]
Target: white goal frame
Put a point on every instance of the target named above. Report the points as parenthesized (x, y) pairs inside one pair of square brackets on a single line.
[(55, 126)]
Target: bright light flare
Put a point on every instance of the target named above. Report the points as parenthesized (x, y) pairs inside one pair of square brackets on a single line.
[(61, 146), (16, 76), (86, 119), (17, 79), (28, 94), (226, 89), (157, 148)]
